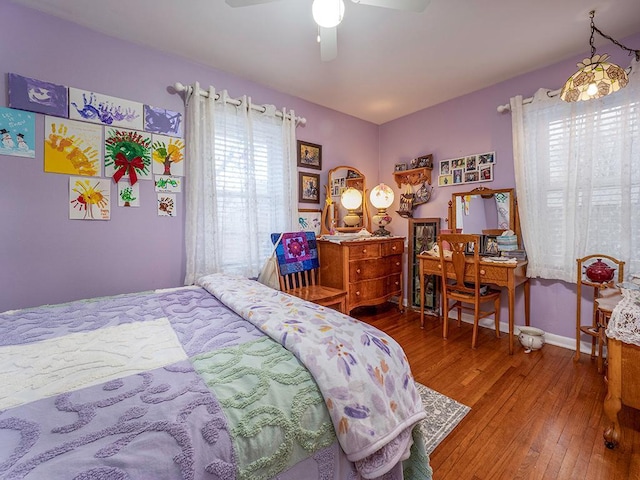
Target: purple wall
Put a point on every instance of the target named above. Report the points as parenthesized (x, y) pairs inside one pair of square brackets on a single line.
[(47, 258), (468, 125)]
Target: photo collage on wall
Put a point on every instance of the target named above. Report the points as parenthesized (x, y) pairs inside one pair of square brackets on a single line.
[(88, 134), (469, 169)]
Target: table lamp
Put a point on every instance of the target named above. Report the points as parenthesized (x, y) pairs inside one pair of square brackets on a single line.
[(351, 199), (381, 198)]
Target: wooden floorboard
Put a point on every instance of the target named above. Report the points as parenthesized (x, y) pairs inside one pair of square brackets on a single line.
[(533, 416)]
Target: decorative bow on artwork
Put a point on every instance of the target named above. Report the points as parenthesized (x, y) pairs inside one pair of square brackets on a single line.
[(124, 166)]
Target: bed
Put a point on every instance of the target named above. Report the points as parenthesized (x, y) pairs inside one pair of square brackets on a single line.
[(227, 379)]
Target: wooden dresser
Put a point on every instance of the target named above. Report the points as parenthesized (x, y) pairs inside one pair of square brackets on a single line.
[(369, 270)]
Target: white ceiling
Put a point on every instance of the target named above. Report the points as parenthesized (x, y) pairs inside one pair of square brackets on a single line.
[(389, 63)]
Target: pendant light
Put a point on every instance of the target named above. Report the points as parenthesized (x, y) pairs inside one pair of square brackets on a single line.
[(596, 76)]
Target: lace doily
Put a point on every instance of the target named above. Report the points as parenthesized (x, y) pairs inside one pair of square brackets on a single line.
[(624, 324)]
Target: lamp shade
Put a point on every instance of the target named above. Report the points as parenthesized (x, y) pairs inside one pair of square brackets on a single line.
[(351, 198), (596, 78), (381, 196), (327, 13)]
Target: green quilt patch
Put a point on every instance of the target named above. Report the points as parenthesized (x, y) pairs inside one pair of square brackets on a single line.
[(272, 405)]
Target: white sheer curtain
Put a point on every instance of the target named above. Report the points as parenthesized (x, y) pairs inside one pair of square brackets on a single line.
[(241, 183), (577, 171)]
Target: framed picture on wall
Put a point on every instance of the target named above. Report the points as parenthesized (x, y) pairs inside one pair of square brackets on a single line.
[(309, 220), (309, 155), (308, 187)]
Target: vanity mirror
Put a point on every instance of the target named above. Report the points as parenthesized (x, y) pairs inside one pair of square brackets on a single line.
[(346, 207), (484, 210)]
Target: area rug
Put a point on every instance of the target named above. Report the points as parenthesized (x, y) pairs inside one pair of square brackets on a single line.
[(443, 414)]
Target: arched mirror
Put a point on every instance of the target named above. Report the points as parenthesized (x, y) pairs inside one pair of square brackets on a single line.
[(346, 207), (484, 210)]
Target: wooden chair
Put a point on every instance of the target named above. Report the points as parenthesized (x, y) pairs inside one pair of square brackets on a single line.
[(298, 268), (605, 298), (463, 293)]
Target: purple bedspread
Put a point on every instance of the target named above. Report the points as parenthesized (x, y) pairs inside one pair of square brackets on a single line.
[(223, 400)]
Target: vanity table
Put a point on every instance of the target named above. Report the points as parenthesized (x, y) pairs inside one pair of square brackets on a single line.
[(505, 275), (370, 270)]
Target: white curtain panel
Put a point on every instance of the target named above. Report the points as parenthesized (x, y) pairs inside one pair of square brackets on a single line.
[(242, 185), (577, 169)]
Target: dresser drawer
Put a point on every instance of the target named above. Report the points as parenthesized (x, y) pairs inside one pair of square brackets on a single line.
[(393, 247), (364, 250), (374, 268), (363, 292), (394, 283)]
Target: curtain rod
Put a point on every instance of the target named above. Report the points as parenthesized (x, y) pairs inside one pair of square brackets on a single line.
[(507, 107), (179, 88)]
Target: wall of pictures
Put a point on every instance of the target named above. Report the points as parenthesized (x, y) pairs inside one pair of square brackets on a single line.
[(468, 169)]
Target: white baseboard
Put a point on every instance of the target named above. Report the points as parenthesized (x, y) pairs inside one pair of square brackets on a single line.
[(550, 338)]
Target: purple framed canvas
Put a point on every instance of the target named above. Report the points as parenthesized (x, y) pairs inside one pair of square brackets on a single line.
[(38, 96), (161, 120)]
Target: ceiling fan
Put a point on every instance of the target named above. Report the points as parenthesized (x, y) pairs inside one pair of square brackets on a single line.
[(328, 15)]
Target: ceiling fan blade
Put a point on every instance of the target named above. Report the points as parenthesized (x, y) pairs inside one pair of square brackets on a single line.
[(328, 43), (247, 3), (408, 5)]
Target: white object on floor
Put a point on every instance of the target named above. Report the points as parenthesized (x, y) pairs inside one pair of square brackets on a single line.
[(531, 338)]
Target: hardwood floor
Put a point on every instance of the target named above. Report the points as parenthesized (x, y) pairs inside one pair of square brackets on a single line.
[(533, 416)]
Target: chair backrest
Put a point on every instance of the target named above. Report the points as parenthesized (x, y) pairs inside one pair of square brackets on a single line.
[(463, 247), (297, 258)]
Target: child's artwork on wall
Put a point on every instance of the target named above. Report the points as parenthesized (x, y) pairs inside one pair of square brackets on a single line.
[(168, 155), (38, 96), (89, 198), (309, 220), (127, 154), (97, 108), (128, 195), (166, 205), (17, 133), (161, 120), (165, 183), (72, 147), (469, 169)]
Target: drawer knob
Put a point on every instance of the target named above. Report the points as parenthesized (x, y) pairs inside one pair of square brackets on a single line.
[(482, 272), (358, 271), (394, 247), (397, 283), (364, 250), (358, 293), (397, 264)]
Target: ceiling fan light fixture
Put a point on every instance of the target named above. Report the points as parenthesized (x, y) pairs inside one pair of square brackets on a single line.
[(327, 13), (596, 76)]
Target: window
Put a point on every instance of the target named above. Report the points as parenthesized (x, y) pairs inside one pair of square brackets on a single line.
[(578, 180), (241, 184)]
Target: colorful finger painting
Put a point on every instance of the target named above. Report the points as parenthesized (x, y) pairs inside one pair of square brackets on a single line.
[(89, 198), (127, 154), (166, 205), (128, 195), (166, 183), (38, 96), (161, 120), (168, 155), (72, 147), (17, 133), (103, 109)]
